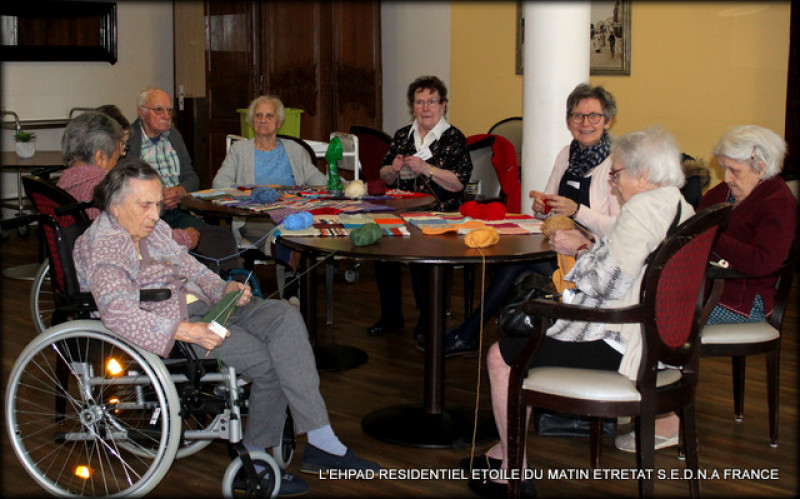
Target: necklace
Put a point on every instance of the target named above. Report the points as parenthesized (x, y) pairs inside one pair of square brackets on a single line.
[(268, 148)]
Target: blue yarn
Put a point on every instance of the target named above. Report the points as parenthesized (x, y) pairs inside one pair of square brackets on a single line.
[(265, 195), (298, 221)]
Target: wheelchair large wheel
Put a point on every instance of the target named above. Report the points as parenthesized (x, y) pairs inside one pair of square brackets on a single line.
[(234, 483), (284, 452), (78, 398), (42, 303)]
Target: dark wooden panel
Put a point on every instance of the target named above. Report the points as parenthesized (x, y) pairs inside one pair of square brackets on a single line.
[(297, 61), (231, 71), (792, 163), (357, 63)]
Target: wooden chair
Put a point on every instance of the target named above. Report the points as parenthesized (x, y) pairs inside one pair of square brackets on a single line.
[(372, 147), (738, 341), (670, 312)]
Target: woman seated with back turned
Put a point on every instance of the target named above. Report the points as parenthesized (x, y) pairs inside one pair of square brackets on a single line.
[(756, 240), (578, 187), (646, 176), (92, 144), (267, 160), (129, 248), (431, 156)]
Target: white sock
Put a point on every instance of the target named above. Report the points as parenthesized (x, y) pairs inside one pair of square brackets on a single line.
[(324, 438), (252, 448)]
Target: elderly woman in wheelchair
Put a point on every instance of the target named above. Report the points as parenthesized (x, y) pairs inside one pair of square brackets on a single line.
[(116, 426)]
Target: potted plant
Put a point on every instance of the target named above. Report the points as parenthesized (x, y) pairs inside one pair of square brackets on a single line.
[(24, 144)]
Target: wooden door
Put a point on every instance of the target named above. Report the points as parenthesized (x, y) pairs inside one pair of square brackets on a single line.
[(296, 61), (232, 71), (357, 84)]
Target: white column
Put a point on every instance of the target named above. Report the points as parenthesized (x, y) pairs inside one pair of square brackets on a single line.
[(556, 59)]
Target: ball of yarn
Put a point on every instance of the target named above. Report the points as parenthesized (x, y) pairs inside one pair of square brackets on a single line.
[(481, 238), (265, 195), (556, 222), (471, 209), (298, 221), (494, 211), (355, 189), (366, 234)]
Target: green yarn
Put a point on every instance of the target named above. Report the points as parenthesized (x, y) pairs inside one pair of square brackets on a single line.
[(366, 234)]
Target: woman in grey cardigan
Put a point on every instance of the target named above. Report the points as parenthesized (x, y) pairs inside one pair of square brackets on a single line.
[(267, 160)]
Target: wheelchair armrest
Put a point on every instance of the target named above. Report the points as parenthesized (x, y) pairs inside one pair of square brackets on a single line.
[(155, 294)]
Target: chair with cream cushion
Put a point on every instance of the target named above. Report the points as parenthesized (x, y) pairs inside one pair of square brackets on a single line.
[(739, 341), (670, 313)]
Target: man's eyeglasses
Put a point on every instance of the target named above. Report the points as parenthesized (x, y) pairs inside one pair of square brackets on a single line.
[(613, 175), (577, 118), (160, 111), (429, 102)]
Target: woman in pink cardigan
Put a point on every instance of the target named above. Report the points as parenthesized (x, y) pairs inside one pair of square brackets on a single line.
[(93, 143), (578, 188)]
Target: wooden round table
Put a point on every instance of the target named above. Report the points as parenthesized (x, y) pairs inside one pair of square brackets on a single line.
[(427, 425), (329, 357)]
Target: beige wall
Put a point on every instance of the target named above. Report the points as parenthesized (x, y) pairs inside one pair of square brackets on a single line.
[(696, 68)]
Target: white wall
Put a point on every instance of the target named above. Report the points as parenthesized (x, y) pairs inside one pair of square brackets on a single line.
[(415, 40), (48, 90)]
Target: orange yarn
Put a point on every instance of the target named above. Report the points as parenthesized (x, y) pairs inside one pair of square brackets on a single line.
[(482, 238)]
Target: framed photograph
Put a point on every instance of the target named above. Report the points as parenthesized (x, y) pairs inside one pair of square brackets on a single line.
[(609, 38)]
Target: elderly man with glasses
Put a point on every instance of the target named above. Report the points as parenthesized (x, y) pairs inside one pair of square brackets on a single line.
[(155, 140)]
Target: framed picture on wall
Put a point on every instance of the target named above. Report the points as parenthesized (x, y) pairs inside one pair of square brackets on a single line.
[(609, 38)]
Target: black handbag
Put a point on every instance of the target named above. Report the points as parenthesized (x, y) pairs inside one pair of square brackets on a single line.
[(556, 424), (513, 321)]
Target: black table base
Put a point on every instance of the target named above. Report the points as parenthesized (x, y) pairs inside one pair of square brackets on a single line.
[(411, 426), (338, 357)]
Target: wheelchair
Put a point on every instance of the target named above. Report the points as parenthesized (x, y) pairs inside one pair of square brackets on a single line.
[(90, 414)]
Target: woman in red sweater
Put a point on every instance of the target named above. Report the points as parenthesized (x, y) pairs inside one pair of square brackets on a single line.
[(763, 223)]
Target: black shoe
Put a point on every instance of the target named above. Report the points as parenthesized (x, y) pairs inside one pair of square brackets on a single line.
[(454, 346), (487, 488), (482, 462), (290, 485), (385, 327), (319, 462)]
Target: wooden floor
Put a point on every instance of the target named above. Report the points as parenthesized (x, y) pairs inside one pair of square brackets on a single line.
[(394, 375)]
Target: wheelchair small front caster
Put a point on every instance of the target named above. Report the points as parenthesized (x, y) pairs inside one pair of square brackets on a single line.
[(235, 478)]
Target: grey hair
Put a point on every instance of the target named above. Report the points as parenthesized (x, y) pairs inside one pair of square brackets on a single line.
[(113, 189), (141, 99), (652, 151), (279, 108), (586, 91), (753, 144), (88, 133)]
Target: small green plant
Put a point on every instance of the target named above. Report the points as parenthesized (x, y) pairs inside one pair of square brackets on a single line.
[(24, 136)]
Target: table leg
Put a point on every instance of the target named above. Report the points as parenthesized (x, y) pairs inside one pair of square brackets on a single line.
[(429, 425), (328, 357)]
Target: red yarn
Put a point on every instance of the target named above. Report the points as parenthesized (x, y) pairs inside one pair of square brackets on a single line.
[(494, 211), (472, 209)]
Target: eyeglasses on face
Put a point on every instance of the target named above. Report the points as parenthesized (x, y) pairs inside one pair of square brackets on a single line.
[(613, 175), (577, 118), (160, 111), (430, 102)]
